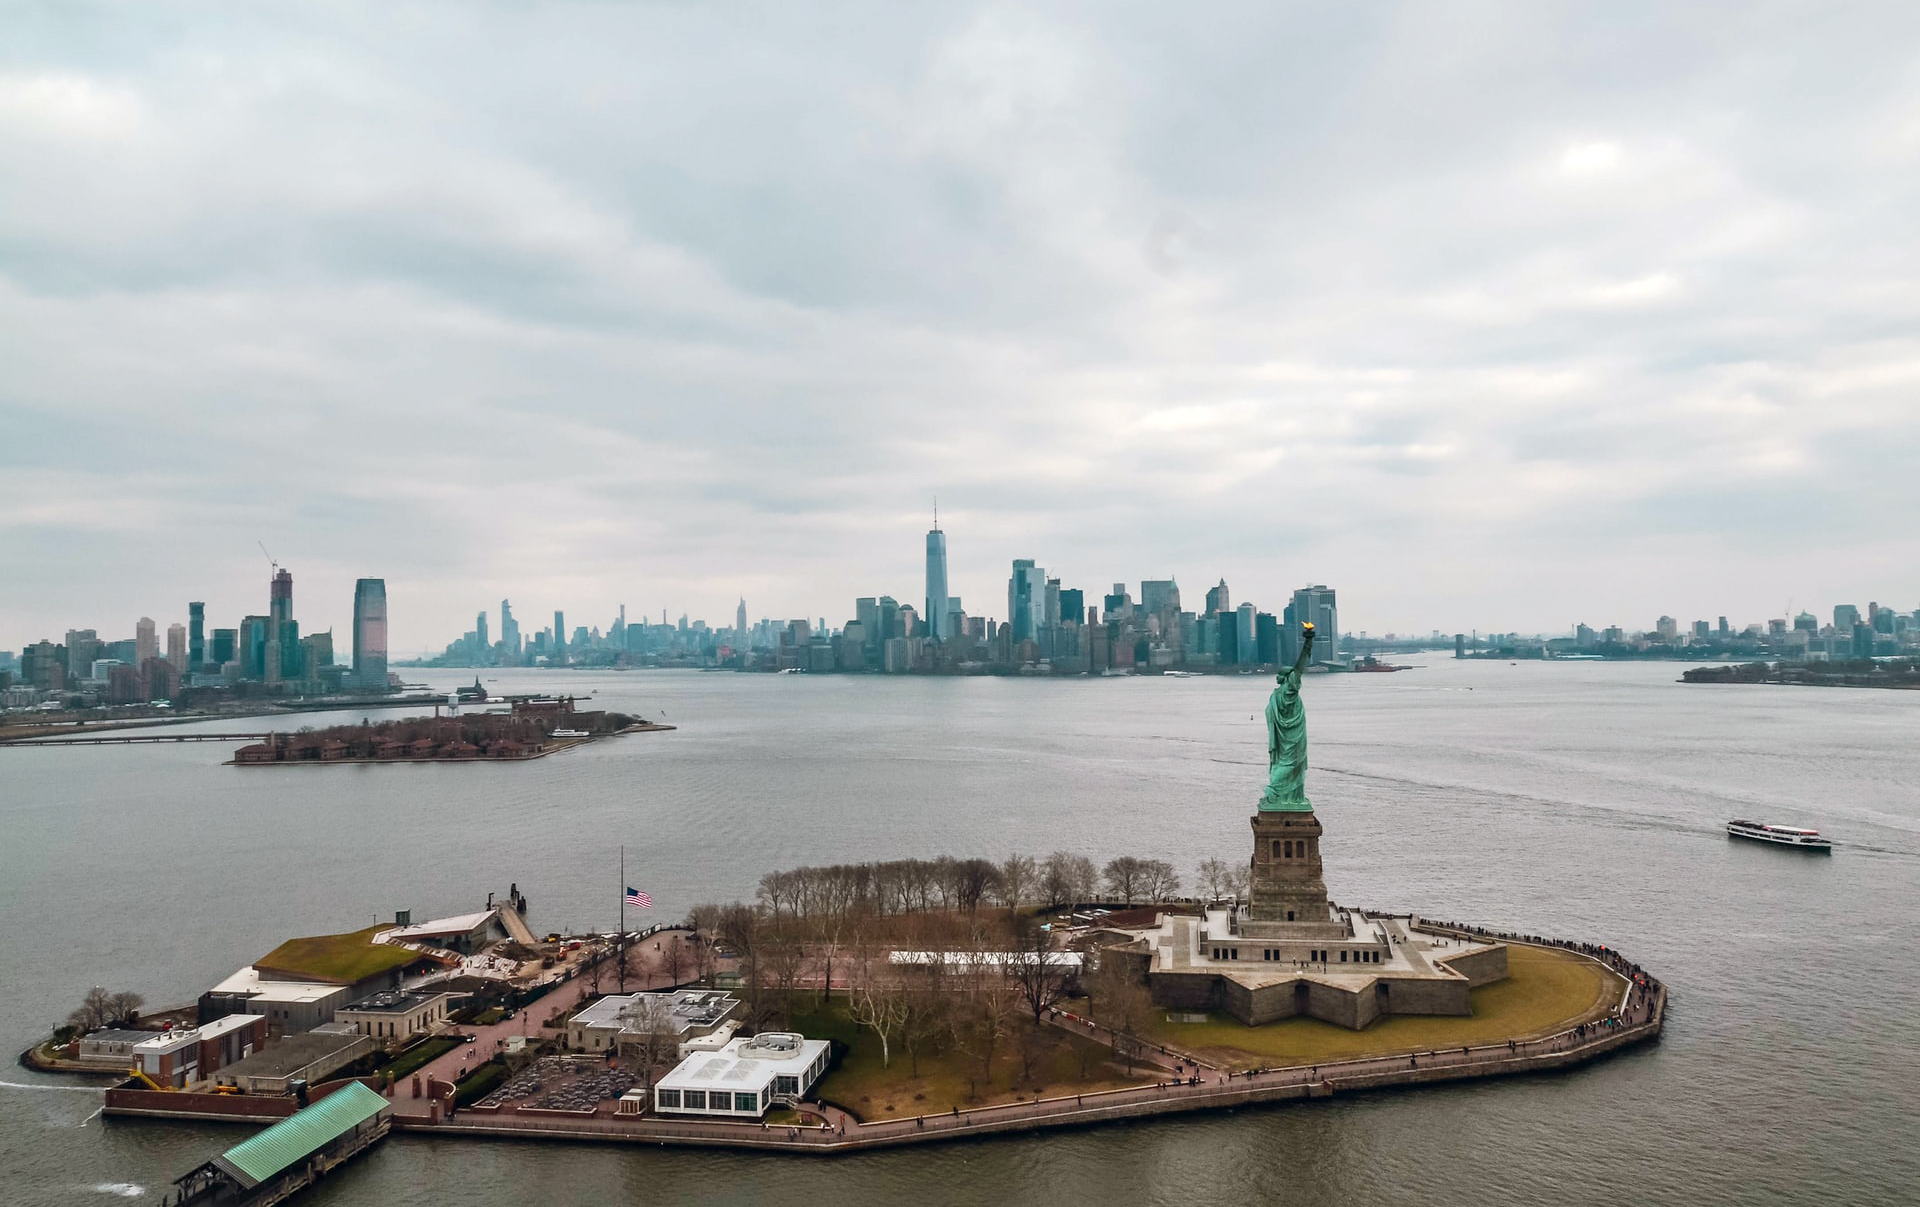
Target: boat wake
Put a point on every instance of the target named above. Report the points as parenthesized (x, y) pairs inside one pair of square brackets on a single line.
[(70, 1089), (125, 1190)]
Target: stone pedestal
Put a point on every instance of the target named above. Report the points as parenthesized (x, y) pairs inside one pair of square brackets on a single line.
[(1288, 897)]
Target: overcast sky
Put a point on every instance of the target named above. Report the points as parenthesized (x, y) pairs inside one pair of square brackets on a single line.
[(1497, 316)]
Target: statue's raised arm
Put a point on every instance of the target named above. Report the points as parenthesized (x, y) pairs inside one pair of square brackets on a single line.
[(1287, 737)]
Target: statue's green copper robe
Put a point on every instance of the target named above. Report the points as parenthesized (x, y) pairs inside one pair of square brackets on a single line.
[(1287, 741)]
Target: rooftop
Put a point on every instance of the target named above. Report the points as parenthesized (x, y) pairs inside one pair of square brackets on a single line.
[(747, 1062), (459, 924), (291, 1054), (117, 1035), (164, 1041), (390, 1003), (293, 1140), (249, 981), (687, 1008), (338, 959)]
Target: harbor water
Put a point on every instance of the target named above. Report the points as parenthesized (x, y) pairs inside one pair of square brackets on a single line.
[(1572, 799)]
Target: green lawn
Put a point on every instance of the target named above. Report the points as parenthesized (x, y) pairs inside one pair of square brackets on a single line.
[(1545, 990), (420, 1054), (343, 958), (478, 1083), (950, 1078)]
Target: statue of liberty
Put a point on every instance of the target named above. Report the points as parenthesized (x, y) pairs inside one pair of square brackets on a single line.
[(1287, 738)]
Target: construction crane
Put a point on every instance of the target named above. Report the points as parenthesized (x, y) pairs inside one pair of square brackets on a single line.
[(270, 561)]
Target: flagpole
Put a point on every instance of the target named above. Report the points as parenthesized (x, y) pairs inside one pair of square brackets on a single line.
[(621, 948)]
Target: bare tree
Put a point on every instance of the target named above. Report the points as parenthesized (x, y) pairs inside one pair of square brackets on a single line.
[(93, 1011), (828, 929), (647, 1037), (123, 1008), (740, 930), (882, 1011), (1121, 1002), (985, 1023), (973, 879), (929, 1011), (1017, 879), (1214, 878), (1125, 877), (1056, 878), (1159, 882), (1242, 884), (673, 955), (1084, 877), (1039, 972), (704, 920), (784, 956)]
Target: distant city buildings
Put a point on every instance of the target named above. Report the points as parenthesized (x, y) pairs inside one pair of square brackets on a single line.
[(264, 655)]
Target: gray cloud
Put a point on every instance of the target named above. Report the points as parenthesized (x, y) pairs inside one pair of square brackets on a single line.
[(1491, 315)]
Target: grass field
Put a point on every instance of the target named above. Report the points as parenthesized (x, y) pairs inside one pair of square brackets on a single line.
[(420, 1054), (344, 958), (479, 1083), (952, 1079), (1544, 992)]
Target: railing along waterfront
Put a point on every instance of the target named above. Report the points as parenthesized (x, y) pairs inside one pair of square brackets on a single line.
[(1638, 1016)]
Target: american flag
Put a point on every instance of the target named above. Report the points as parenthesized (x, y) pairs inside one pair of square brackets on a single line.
[(638, 899)]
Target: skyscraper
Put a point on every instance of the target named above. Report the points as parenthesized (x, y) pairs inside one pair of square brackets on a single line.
[(177, 646), (1026, 599), (480, 641), (370, 634), (1316, 605), (509, 634), (196, 636), (937, 602), (253, 647), (1218, 600), (1160, 597), (559, 638), (145, 644), (1246, 635), (740, 623), (283, 635)]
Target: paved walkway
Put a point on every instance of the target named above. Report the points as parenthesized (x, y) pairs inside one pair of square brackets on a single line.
[(652, 969)]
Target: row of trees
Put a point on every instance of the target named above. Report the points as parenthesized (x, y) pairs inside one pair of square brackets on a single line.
[(904, 886)]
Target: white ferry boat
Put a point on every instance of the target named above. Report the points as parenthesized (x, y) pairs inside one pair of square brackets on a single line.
[(570, 733), (1786, 836)]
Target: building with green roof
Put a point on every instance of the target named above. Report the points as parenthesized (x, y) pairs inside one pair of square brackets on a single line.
[(291, 1154)]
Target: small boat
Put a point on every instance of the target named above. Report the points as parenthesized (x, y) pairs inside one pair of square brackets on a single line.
[(570, 733), (1786, 836)]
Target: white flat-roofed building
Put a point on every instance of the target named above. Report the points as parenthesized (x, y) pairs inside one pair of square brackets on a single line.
[(744, 1078), (684, 1015), (289, 1007), (111, 1048)]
